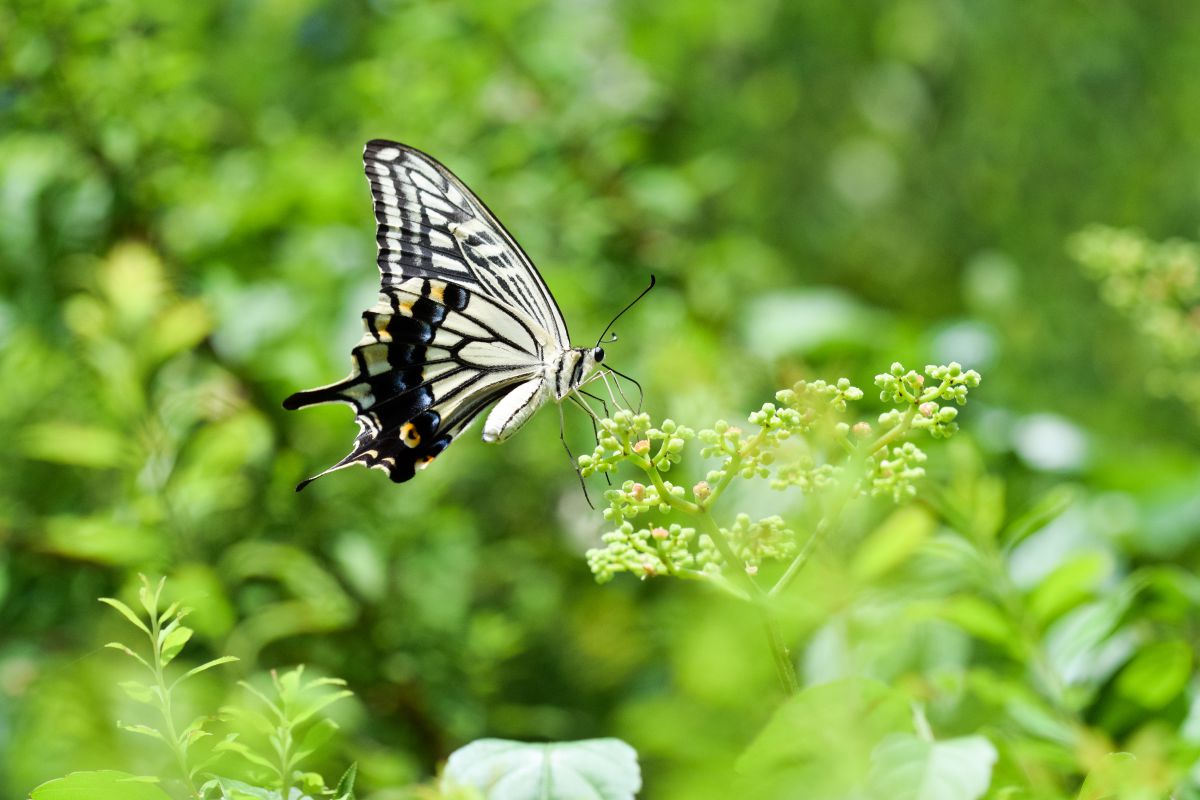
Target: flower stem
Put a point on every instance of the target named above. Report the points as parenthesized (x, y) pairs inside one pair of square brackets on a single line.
[(780, 655)]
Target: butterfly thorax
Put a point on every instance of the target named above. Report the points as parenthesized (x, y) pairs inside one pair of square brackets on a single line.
[(570, 369)]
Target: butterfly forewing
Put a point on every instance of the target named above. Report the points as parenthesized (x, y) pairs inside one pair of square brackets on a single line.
[(431, 224), (462, 318)]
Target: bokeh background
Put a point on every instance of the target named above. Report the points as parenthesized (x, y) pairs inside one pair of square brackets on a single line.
[(821, 188)]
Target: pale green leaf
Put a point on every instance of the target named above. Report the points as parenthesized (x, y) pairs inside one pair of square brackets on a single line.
[(139, 691), (142, 730), (596, 769), (75, 445), (315, 738), (207, 665), (1070, 584), (822, 737), (1118, 776), (126, 612), (105, 785), (173, 642), (1041, 514), (905, 767), (893, 542), (1158, 674)]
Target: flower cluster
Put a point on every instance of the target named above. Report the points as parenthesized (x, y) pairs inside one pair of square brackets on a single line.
[(1156, 286), (807, 439), (648, 552)]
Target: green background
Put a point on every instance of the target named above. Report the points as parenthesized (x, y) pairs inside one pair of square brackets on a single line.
[(821, 188)]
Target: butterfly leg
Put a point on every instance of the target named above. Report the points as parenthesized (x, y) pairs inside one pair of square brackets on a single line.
[(592, 416), (641, 393), (562, 437), (598, 399)]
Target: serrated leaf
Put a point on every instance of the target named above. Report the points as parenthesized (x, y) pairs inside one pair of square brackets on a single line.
[(345, 785), (600, 769), (126, 612), (905, 767), (104, 785)]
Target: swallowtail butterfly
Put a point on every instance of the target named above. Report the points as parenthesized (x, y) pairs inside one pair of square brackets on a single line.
[(463, 321)]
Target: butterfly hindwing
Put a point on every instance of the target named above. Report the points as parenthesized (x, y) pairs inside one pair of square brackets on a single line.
[(422, 373)]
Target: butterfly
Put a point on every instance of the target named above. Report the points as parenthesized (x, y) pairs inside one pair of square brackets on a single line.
[(464, 322)]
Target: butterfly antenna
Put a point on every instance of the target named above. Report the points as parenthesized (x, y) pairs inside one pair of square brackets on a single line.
[(623, 310)]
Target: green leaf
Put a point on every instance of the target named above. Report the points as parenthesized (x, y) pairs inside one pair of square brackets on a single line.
[(604, 769), (1116, 777), (1158, 674), (126, 612), (148, 596), (345, 785), (105, 785), (139, 691), (143, 730), (207, 665), (893, 542), (1087, 645), (75, 445), (315, 706), (1041, 514), (230, 744), (979, 618), (821, 738), (100, 539), (1067, 586), (905, 767), (173, 641), (315, 738), (236, 790)]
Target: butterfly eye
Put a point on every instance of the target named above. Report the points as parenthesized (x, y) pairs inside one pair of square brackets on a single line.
[(598, 354)]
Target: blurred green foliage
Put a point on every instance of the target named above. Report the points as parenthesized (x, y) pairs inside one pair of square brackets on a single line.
[(185, 238)]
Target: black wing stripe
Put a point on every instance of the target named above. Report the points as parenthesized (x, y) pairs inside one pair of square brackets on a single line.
[(413, 191)]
